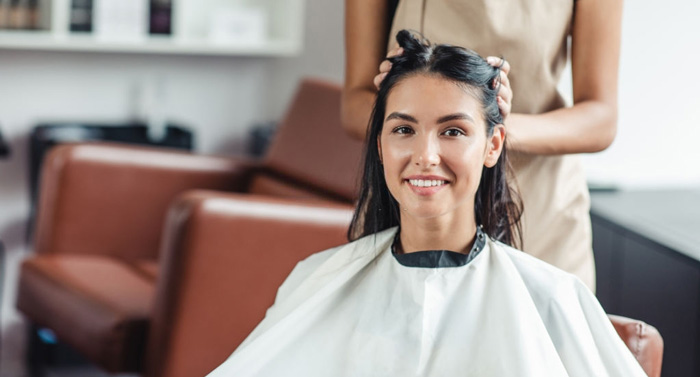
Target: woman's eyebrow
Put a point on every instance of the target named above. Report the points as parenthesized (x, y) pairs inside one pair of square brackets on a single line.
[(401, 116), (455, 116)]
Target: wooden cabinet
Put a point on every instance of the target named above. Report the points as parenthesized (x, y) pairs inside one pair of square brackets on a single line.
[(650, 271)]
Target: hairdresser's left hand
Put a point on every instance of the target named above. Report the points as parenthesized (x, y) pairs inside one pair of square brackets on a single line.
[(505, 94), (385, 66)]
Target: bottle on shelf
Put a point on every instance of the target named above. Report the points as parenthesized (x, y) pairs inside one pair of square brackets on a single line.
[(81, 16), (18, 14), (160, 20), (4, 8), (33, 19)]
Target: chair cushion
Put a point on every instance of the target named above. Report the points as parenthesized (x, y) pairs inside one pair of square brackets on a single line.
[(99, 305)]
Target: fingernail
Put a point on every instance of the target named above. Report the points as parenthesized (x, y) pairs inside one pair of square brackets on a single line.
[(491, 60)]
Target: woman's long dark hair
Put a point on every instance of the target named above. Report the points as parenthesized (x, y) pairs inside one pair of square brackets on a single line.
[(497, 206)]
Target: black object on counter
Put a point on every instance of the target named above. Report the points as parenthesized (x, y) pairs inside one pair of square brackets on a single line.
[(4, 148), (260, 138)]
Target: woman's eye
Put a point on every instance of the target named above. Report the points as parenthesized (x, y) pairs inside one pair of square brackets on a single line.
[(454, 132), (403, 130)]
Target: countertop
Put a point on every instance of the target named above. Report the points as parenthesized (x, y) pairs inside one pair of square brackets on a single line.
[(668, 217)]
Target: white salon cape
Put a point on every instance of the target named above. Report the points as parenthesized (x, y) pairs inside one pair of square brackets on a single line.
[(361, 310)]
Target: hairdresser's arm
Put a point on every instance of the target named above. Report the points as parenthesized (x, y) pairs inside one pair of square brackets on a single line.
[(366, 33), (590, 125)]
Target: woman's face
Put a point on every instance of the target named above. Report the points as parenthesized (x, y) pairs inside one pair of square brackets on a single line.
[(433, 147)]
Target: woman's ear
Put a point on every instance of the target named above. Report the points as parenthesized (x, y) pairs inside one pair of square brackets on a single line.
[(494, 145), (379, 150)]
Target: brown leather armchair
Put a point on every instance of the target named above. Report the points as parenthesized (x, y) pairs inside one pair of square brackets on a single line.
[(102, 207), (210, 298), (224, 257)]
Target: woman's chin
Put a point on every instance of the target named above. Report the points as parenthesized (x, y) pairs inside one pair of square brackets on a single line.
[(424, 213)]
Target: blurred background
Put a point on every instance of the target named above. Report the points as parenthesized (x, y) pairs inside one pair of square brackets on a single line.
[(220, 68)]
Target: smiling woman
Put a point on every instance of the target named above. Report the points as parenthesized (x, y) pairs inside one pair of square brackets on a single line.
[(437, 116), (433, 146), (430, 286)]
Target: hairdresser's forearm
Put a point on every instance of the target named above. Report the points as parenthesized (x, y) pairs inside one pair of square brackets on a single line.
[(587, 127), (356, 109)]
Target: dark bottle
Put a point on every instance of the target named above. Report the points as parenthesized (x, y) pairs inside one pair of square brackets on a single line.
[(161, 17), (33, 14), (81, 16)]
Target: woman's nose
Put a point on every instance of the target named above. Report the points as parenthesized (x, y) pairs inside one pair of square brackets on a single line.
[(427, 152)]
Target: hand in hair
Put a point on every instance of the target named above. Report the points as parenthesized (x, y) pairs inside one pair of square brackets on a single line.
[(385, 66), (505, 93)]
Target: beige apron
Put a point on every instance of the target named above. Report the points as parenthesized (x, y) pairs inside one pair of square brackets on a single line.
[(531, 35)]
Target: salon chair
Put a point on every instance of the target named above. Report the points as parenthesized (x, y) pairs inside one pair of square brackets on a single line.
[(99, 232), (643, 340), (210, 298)]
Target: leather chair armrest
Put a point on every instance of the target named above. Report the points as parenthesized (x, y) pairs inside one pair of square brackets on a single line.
[(223, 258), (111, 199), (643, 340)]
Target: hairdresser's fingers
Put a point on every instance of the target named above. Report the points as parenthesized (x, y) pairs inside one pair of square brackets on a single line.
[(499, 62), (504, 90), (505, 97), (505, 67), (505, 93), (394, 52), (504, 107), (385, 66), (505, 81), (378, 79)]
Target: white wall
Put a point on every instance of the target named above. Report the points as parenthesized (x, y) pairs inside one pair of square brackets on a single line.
[(659, 113)]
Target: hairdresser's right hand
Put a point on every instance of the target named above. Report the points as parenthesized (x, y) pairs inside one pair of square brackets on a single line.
[(385, 66)]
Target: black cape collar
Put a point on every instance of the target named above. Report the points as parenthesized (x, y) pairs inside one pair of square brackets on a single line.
[(439, 258)]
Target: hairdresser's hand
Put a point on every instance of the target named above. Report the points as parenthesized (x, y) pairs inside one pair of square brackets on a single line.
[(505, 94), (385, 66)]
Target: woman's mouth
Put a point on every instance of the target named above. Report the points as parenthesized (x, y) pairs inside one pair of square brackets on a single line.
[(425, 187), (426, 182)]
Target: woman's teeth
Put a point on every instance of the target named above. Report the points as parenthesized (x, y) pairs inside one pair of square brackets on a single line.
[(426, 183)]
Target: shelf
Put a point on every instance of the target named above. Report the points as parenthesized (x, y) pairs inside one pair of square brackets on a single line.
[(48, 41), (196, 26)]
